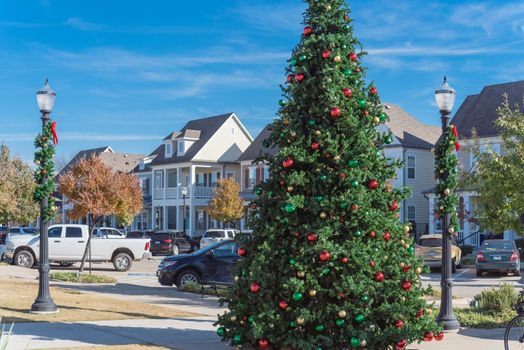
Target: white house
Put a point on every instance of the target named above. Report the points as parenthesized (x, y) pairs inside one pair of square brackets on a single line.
[(185, 168), (479, 112)]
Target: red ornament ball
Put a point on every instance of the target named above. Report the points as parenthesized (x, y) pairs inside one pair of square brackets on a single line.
[(282, 183), (290, 78), (353, 56), (373, 90), (398, 323), (299, 77), (324, 255), (406, 285), (254, 288), (379, 276), (356, 70), (296, 234), (344, 260), (386, 236), (312, 237), (263, 343), (326, 54), (420, 312), (342, 175), (347, 92), (406, 268), (372, 263), (308, 31), (287, 163), (315, 146), (241, 251), (335, 112), (372, 234), (401, 344), (439, 336), (373, 184), (428, 336), (393, 206), (283, 304)]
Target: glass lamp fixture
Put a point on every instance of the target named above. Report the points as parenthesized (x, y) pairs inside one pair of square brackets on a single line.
[(46, 98), (445, 97)]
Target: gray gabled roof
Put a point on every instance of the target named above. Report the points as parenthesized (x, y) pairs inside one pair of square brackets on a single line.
[(207, 127), (256, 148), (480, 111), (87, 153)]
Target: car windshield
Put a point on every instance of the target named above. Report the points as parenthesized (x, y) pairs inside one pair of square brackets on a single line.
[(431, 242), (498, 245), (214, 234)]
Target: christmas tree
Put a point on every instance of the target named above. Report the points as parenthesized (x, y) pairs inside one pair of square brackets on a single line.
[(330, 266)]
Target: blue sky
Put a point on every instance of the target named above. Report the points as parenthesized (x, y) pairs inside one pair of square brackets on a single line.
[(129, 72)]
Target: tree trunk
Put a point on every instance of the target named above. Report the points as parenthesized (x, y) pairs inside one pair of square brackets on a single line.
[(87, 250)]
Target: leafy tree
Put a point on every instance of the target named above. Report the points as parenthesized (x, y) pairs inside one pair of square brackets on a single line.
[(16, 190), (330, 266), (227, 205), (498, 177), (95, 191)]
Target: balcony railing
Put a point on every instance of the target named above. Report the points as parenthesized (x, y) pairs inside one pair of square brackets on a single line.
[(158, 193), (204, 192), (171, 192), (176, 192)]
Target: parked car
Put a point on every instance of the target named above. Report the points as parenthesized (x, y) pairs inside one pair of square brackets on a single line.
[(184, 269), (23, 231), (139, 234), (67, 244), (108, 232), (498, 255), (216, 235), (429, 248), (172, 243), (3, 234)]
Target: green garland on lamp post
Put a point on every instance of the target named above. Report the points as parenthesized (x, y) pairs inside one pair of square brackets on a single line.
[(45, 170)]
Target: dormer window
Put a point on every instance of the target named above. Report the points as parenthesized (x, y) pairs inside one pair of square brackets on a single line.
[(181, 147), (169, 150)]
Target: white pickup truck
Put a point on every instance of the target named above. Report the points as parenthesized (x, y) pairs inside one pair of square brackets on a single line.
[(67, 244)]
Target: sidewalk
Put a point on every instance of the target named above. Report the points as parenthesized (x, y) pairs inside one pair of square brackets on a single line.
[(189, 334)]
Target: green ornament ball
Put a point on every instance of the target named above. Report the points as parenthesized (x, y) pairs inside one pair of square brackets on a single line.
[(319, 198), (353, 163), (364, 298), (382, 117), (343, 205), (411, 249), (282, 103), (340, 323), (346, 27), (348, 72), (251, 319), (323, 177), (292, 324), (270, 193), (302, 58), (359, 318), (237, 339), (258, 191), (357, 234), (221, 331), (354, 183), (355, 341), (297, 296), (362, 103), (326, 271), (311, 122), (293, 61), (320, 328), (388, 140), (292, 262), (290, 208)]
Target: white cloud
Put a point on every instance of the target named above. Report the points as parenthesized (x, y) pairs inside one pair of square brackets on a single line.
[(271, 18)]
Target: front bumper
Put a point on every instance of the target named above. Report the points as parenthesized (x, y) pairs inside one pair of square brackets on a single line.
[(498, 265)]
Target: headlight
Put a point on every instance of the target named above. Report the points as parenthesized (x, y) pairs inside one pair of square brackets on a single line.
[(166, 263)]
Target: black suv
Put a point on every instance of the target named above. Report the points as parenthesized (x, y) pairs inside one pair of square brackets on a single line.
[(172, 243)]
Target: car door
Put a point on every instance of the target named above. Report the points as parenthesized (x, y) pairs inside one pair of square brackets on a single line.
[(182, 241), (73, 243), (54, 237), (222, 259)]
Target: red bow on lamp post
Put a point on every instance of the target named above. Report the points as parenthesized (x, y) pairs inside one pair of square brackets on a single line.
[(53, 130), (455, 133)]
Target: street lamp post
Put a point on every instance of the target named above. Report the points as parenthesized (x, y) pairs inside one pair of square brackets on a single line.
[(445, 98), (44, 303), (184, 194)]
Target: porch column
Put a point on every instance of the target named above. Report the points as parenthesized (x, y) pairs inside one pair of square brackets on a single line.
[(178, 184), (431, 221), (467, 230), (165, 218), (190, 224)]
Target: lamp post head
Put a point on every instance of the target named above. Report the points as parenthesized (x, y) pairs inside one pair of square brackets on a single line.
[(445, 97), (46, 98), (184, 191)]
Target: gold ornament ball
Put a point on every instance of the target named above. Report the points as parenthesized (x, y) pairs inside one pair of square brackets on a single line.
[(336, 158), (301, 274), (271, 325), (402, 264), (441, 171), (337, 58), (241, 322), (328, 7), (451, 230), (342, 314), (406, 246), (406, 229), (447, 191), (37, 162), (323, 215), (441, 207), (317, 132), (290, 188), (376, 120), (402, 241), (300, 320), (418, 270), (233, 318), (293, 134), (428, 311), (363, 344), (237, 278), (451, 142), (403, 299), (312, 293)]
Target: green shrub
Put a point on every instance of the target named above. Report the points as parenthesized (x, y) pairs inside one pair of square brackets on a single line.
[(477, 318), (80, 278), (468, 260), (497, 300)]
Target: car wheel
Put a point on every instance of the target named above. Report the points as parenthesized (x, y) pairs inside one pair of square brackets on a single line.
[(479, 273), (175, 250), (66, 264), (24, 258), (187, 277), (453, 267), (122, 262)]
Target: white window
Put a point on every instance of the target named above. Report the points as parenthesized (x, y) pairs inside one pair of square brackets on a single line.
[(411, 167), (252, 177), (159, 179), (266, 173), (411, 213), (181, 147), (168, 149)]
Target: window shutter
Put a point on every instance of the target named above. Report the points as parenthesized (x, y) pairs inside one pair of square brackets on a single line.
[(259, 175), (246, 177)]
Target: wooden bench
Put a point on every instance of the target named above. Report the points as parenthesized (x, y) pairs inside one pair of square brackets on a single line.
[(222, 277)]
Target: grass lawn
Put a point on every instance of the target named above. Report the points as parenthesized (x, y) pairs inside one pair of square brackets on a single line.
[(83, 278), (116, 347), (17, 296)]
